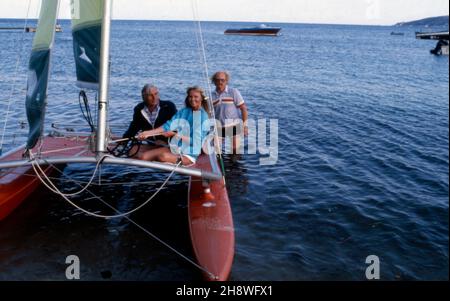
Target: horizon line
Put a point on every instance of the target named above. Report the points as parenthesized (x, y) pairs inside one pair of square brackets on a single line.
[(235, 21), (252, 21)]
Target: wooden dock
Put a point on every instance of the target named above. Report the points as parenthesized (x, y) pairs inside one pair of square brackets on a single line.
[(25, 29), (442, 47), (58, 28), (443, 35)]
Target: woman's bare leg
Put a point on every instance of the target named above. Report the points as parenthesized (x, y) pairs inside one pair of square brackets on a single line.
[(152, 155), (142, 150)]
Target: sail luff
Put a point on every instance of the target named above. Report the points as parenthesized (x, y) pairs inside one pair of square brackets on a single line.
[(39, 70)]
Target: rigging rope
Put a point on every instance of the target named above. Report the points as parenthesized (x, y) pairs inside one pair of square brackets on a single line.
[(10, 99), (83, 99), (106, 183), (33, 161), (203, 61), (187, 259), (50, 185)]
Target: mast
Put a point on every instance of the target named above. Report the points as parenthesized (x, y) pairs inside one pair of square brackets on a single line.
[(101, 139)]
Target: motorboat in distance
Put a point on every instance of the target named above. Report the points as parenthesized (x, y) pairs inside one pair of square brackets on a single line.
[(261, 30)]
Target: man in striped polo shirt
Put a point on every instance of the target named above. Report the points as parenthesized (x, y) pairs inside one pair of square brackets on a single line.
[(230, 109)]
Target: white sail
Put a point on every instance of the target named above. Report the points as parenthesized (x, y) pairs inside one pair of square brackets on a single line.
[(87, 18), (39, 70)]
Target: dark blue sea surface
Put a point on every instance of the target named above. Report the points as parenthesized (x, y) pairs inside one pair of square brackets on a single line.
[(363, 165)]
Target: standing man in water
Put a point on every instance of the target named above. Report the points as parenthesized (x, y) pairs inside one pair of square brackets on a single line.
[(230, 109), (150, 114)]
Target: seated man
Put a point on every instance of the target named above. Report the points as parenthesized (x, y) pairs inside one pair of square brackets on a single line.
[(150, 114)]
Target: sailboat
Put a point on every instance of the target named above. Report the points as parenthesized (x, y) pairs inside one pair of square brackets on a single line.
[(24, 169)]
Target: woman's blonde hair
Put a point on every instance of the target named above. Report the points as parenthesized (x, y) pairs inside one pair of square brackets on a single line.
[(203, 95)]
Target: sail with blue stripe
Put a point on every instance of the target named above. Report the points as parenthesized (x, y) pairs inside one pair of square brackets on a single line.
[(39, 70), (87, 18)]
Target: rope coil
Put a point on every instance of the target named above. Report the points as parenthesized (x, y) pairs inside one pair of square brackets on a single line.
[(125, 146)]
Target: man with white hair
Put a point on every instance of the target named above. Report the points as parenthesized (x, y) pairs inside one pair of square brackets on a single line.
[(230, 109), (150, 114)]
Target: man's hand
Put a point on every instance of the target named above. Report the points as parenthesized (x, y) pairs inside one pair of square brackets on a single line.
[(143, 135), (169, 134)]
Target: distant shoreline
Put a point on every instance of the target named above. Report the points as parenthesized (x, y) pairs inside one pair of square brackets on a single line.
[(440, 21)]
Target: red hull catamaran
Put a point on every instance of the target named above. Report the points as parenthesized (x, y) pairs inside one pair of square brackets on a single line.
[(24, 169)]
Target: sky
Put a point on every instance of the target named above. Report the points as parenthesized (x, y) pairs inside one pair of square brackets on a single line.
[(364, 12)]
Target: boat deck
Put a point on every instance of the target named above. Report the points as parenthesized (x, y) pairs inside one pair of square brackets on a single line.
[(17, 183), (211, 225)]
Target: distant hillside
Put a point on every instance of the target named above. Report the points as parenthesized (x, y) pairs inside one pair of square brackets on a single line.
[(428, 22)]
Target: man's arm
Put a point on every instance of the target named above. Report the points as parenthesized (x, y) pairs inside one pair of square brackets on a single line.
[(239, 102), (244, 113), (151, 133)]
